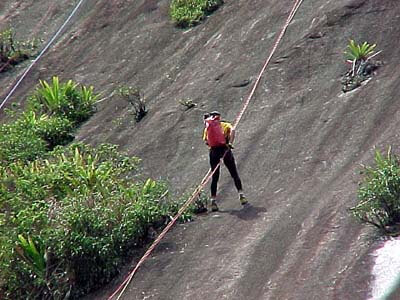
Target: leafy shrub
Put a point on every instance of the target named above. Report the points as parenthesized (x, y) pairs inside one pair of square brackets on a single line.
[(54, 111), (68, 217), (65, 100), (19, 144), (81, 211), (30, 136), (379, 193), (187, 13), (55, 131), (13, 52), (132, 96)]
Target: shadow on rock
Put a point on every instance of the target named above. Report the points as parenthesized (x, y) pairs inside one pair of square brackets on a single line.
[(248, 212)]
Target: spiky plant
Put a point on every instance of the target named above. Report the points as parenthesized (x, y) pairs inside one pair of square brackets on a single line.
[(64, 100), (379, 193), (34, 256), (357, 52), (50, 95)]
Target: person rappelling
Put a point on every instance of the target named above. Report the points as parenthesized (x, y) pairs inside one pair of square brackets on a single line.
[(219, 136)]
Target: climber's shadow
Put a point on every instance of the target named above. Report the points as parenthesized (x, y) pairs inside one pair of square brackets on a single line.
[(248, 212)]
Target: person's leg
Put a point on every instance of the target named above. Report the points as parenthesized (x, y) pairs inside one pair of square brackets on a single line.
[(214, 160), (229, 162), (214, 184)]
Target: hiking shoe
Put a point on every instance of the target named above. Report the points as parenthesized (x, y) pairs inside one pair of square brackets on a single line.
[(214, 206), (242, 199)]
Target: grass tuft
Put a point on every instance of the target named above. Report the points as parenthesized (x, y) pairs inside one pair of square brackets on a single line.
[(187, 13)]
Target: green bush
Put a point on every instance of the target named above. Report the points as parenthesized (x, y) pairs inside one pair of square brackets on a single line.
[(187, 13), (69, 217), (29, 136), (66, 100), (81, 211), (55, 131), (19, 144), (53, 113), (379, 193)]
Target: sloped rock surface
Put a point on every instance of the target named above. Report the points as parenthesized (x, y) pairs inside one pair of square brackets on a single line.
[(299, 145)]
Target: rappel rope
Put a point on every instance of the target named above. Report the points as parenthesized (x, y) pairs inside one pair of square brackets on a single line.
[(40, 54), (289, 19), (121, 288)]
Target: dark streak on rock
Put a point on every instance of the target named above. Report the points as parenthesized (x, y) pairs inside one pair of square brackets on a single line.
[(241, 83)]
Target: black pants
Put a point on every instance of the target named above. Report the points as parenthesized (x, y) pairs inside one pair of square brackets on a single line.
[(216, 154)]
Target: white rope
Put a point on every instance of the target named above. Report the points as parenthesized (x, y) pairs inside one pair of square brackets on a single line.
[(40, 54)]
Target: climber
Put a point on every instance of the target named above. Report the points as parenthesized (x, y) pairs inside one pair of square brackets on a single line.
[(219, 136)]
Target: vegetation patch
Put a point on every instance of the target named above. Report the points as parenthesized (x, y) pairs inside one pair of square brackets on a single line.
[(54, 112), (135, 99), (69, 215), (31, 136), (186, 13), (379, 193), (359, 56), (12, 51), (65, 100), (68, 220), (187, 103)]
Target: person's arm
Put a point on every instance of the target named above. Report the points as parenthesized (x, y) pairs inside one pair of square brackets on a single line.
[(232, 136), (205, 136)]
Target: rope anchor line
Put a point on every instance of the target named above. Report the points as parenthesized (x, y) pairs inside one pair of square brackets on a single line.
[(121, 289)]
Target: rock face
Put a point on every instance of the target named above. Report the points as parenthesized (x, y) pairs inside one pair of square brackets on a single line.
[(298, 148)]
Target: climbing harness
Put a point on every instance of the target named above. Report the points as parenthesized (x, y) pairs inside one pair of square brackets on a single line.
[(122, 287)]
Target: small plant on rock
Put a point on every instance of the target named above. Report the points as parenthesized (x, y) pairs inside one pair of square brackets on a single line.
[(187, 103), (359, 56), (379, 193), (132, 96), (13, 52)]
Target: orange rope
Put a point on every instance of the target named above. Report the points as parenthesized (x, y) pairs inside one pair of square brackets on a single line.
[(164, 232), (209, 174), (289, 19)]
